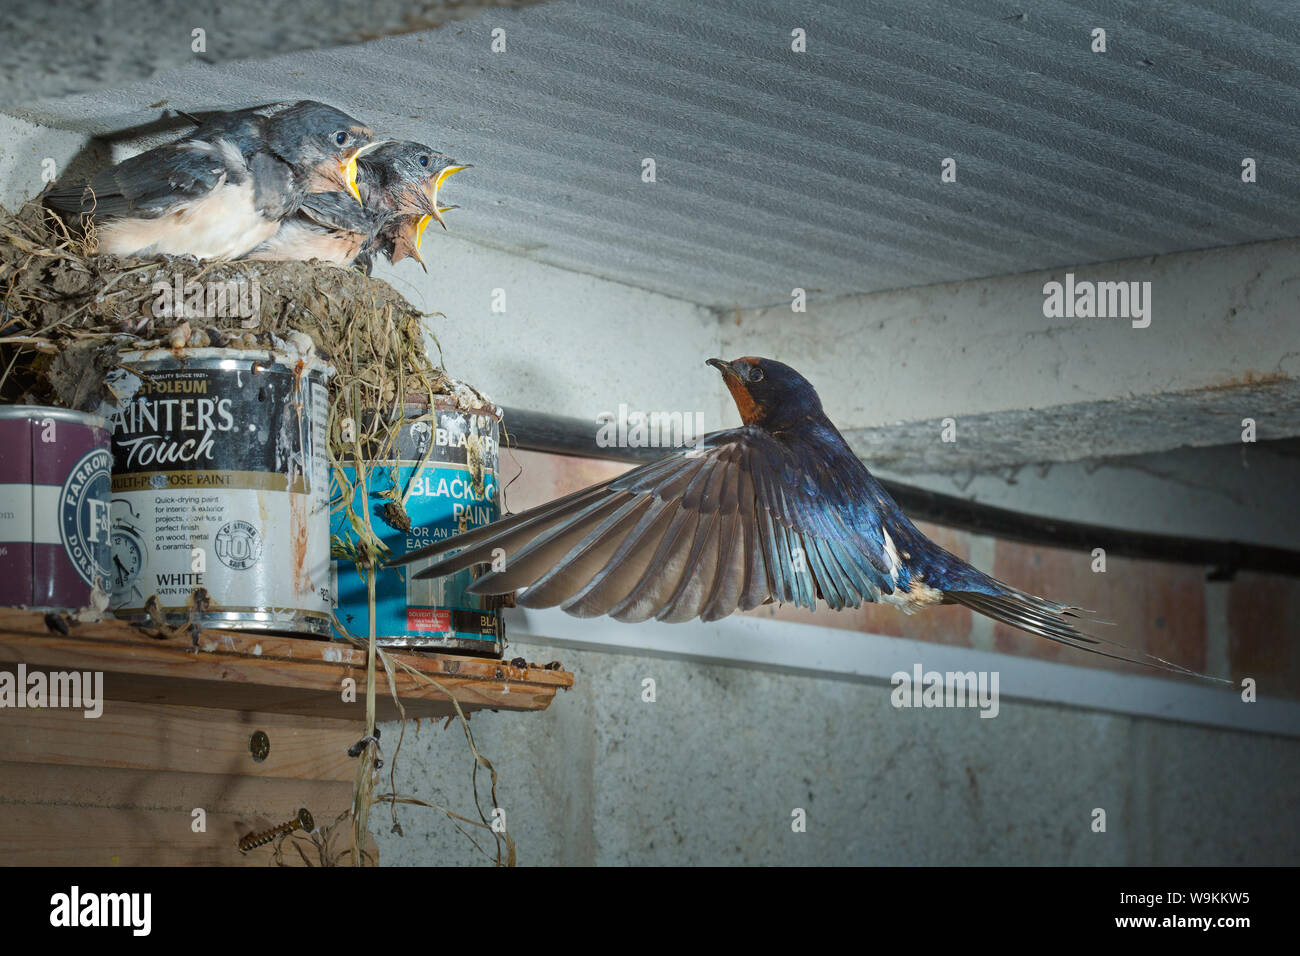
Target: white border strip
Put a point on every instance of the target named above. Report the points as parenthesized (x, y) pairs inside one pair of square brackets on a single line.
[(830, 652)]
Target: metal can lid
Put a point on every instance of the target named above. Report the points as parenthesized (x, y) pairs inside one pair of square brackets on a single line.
[(209, 357), (88, 419)]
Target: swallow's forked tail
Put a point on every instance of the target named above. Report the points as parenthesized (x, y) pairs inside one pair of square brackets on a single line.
[(1036, 615)]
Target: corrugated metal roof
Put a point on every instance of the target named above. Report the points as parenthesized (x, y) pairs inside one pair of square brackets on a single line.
[(777, 169)]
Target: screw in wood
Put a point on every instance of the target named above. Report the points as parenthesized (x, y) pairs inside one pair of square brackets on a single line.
[(259, 745), (302, 821)]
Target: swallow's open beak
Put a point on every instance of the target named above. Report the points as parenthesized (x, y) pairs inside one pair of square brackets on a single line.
[(420, 226), (723, 367), (443, 176), (348, 166)]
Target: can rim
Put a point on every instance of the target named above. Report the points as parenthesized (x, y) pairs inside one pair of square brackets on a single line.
[(55, 412), (314, 363), (448, 404)]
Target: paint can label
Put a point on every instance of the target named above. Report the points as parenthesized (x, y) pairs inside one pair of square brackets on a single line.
[(221, 482), (455, 490), (54, 507)]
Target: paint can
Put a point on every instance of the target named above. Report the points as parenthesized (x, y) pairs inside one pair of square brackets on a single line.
[(221, 483), (54, 507), (445, 477)]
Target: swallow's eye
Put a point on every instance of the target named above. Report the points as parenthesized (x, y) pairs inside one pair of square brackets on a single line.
[(341, 138), (424, 159), (755, 374)]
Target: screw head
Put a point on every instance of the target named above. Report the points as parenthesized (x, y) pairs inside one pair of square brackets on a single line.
[(304, 818), (259, 745)]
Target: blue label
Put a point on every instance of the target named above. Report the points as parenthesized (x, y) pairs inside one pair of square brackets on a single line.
[(442, 501)]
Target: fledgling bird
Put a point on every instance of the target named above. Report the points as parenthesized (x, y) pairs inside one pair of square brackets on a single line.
[(398, 183), (405, 178), (780, 509), (223, 189)]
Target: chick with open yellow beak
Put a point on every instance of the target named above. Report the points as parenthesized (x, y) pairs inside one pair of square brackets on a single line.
[(348, 167), (395, 184), (401, 182)]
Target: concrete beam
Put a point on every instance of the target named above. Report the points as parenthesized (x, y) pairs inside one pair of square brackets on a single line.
[(1228, 492), (1125, 425)]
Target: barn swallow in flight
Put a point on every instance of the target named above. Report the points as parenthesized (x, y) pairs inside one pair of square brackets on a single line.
[(224, 189), (398, 183), (780, 509)]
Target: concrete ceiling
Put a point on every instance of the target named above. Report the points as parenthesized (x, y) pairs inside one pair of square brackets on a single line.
[(819, 170)]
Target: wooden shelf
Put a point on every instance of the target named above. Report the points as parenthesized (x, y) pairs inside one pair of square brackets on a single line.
[(265, 673), (174, 738)]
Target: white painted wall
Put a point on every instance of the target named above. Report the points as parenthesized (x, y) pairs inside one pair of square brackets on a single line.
[(568, 344)]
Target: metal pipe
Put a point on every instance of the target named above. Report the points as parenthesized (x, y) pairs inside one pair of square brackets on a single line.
[(539, 431)]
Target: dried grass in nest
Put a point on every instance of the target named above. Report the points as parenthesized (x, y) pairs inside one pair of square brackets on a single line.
[(66, 314), (386, 367)]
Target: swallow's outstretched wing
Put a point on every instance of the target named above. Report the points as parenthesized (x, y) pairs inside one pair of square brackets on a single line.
[(727, 525)]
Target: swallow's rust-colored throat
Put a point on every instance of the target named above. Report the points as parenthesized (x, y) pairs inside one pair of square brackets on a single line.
[(751, 413)]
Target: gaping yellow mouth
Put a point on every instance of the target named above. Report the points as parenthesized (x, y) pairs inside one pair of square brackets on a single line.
[(441, 178), (348, 167), (422, 224)]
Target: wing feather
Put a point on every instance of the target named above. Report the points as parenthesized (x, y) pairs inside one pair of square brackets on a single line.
[(662, 575), (627, 565)]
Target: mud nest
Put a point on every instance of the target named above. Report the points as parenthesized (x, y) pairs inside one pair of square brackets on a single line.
[(65, 313)]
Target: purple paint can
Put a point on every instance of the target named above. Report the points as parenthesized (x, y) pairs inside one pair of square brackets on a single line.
[(55, 494)]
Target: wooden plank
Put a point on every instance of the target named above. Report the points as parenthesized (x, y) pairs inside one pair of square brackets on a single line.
[(41, 823), (188, 739), (273, 798), (267, 673), (44, 835)]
